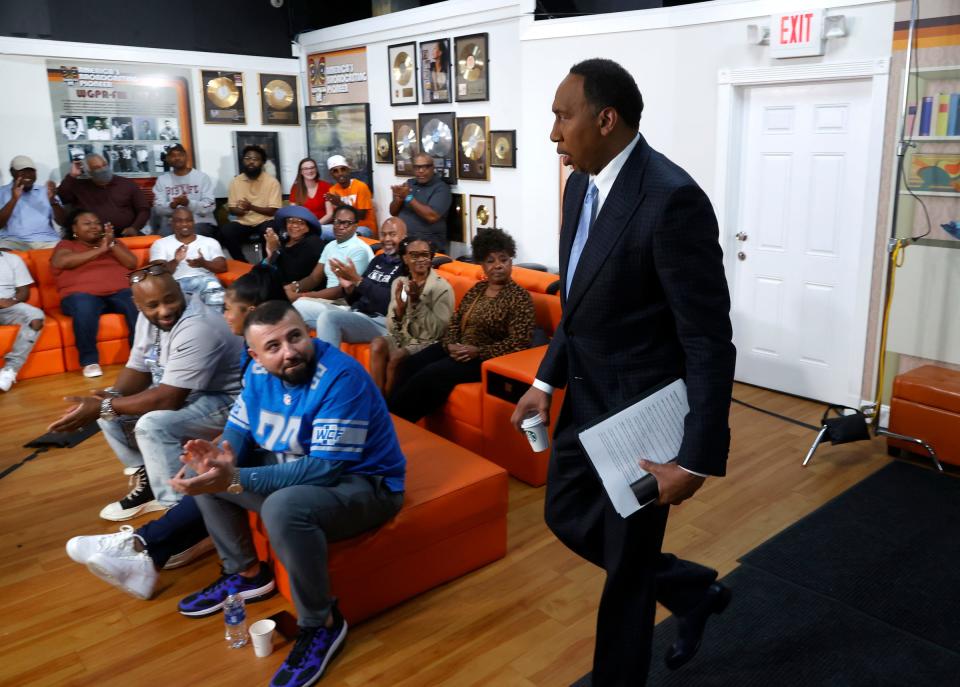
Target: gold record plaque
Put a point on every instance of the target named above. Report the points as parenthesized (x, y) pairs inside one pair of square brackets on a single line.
[(383, 147), (474, 148), (404, 146), (483, 213), (279, 99), (223, 97), (471, 66), (503, 148), (403, 73)]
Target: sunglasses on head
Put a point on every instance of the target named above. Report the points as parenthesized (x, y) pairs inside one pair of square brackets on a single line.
[(153, 269)]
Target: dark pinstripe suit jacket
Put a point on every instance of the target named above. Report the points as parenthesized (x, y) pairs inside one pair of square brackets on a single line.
[(648, 302)]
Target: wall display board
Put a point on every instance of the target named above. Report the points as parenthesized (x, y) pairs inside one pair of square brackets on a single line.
[(268, 140), (129, 114), (483, 214), (472, 67), (403, 73), (473, 151), (279, 102), (340, 130), (503, 148), (435, 71), (406, 143), (383, 147), (338, 77), (438, 139), (223, 97)]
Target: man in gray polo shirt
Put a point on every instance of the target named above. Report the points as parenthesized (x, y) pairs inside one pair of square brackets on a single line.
[(422, 203), (179, 383)]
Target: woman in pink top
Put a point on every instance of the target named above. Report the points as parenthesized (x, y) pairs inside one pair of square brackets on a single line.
[(90, 269)]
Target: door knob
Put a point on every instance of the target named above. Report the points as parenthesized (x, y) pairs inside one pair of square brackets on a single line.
[(741, 236), (741, 255)]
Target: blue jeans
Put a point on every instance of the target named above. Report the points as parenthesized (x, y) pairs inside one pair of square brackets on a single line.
[(159, 436), (174, 532), (85, 309), (209, 287)]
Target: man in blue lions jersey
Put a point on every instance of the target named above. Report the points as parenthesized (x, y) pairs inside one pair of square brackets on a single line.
[(330, 468)]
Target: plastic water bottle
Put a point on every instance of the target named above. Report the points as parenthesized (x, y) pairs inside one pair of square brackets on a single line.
[(235, 620)]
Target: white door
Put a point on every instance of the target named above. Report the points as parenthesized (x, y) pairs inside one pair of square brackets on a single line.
[(797, 238)]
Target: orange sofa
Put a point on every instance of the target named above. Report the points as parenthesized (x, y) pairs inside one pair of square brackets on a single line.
[(46, 358), (926, 405), (453, 520)]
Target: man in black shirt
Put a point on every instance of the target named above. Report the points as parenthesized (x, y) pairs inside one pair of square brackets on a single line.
[(423, 203), (367, 294)]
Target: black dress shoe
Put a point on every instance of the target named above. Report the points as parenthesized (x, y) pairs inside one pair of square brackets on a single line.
[(690, 626)]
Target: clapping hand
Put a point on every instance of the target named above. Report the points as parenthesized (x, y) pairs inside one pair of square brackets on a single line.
[(180, 253), (346, 272), (244, 204), (214, 467), (198, 261), (85, 411), (399, 302), (272, 241), (51, 190), (399, 191)]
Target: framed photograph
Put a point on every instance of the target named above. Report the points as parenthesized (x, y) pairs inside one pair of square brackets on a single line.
[(406, 144), (402, 67), (474, 148), (268, 140), (222, 97), (438, 139), (435, 71), (472, 73), (503, 148), (340, 130), (483, 214), (456, 219), (279, 100), (383, 147)]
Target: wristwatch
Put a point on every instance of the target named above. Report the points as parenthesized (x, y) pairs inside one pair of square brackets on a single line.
[(408, 198), (235, 486), (106, 410)]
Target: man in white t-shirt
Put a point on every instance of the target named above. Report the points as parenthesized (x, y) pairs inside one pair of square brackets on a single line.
[(193, 260), (15, 283), (184, 186)]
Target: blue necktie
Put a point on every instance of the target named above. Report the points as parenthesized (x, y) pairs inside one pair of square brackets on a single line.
[(587, 215)]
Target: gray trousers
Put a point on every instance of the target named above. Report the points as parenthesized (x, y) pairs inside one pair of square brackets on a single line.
[(22, 314), (300, 520)]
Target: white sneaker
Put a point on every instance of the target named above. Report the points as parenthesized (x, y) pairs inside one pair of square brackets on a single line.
[(179, 560), (133, 573), (137, 502), (92, 370), (7, 377), (121, 543)]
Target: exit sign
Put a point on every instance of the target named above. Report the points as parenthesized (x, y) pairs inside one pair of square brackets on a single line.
[(797, 34)]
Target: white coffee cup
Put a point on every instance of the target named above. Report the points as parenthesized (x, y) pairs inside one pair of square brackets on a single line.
[(536, 432), (261, 633)]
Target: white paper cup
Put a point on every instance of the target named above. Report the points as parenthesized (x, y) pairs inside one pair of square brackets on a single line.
[(261, 632), (536, 432)]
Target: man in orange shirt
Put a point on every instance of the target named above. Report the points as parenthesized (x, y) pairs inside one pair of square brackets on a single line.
[(352, 192)]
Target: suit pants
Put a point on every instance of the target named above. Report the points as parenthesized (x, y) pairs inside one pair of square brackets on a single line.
[(233, 235), (579, 513)]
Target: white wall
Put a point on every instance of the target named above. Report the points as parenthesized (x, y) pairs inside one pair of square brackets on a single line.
[(25, 118)]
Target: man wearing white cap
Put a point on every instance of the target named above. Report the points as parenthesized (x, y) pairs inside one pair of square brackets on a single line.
[(27, 211), (352, 192)]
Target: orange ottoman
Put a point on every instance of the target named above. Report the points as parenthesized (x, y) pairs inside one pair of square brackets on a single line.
[(926, 405), (453, 520)]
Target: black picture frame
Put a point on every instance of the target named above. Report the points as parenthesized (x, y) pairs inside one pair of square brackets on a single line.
[(268, 140), (471, 62), (222, 97), (436, 86), (473, 139), (456, 218), (272, 110), (404, 148), (403, 92), (438, 139), (340, 130), (383, 147), (509, 157)]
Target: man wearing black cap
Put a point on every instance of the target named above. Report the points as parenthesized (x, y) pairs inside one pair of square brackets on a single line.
[(184, 186)]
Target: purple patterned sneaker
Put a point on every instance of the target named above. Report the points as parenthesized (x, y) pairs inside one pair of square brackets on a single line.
[(312, 653), (210, 599)]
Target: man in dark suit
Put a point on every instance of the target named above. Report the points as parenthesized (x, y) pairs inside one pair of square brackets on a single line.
[(644, 300)]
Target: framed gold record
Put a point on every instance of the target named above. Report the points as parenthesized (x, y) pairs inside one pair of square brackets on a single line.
[(483, 214), (473, 151), (383, 147), (503, 148), (279, 100), (402, 68), (405, 145), (471, 64), (222, 94), (438, 139)]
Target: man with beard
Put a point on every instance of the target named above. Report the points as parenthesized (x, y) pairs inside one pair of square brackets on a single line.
[(331, 468), (184, 187), (179, 383), (27, 210), (352, 192), (113, 199), (253, 198)]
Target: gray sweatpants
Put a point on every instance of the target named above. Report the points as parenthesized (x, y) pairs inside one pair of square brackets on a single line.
[(22, 314), (300, 520)]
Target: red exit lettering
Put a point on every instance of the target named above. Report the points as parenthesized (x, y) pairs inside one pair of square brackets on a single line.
[(795, 28)]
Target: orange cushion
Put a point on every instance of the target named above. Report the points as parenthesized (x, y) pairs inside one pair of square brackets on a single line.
[(235, 270), (522, 365), (49, 337), (464, 269), (930, 385), (465, 403), (112, 326), (533, 280), (459, 283)]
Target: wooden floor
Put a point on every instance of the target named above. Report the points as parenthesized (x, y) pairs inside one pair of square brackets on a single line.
[(524, 620)]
